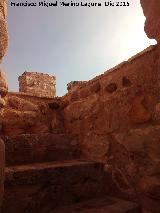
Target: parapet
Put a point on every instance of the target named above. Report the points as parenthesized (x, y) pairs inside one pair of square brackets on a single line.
[(37, 84), (75, 84)]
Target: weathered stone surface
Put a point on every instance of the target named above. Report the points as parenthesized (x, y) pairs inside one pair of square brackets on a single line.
[(28, 114), (2, 168), (156, 112), (140, 148), (64, 103), (117, 127), (3, 84), (48, 185), (3, 31), (37, 84), (139, 112), (54, 105), (2, 103), (151, 186), (16, 122), (3, 92), (21, 104), (31, 148), (98, 146), (151, 11), (101, 205), (95, 87), (57, 123), (115, 117), (111, 87), (126, 82), (74, 85), (84, 93), (74, 96)]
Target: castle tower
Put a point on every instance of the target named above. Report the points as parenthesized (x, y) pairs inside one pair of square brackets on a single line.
[(37, 84)]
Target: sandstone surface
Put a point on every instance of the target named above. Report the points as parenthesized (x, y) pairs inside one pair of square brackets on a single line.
[(37, 84), (115, 119), (3, 85), (2, 163), (118, 124), (28, 114), (151, 11), (3, 31)]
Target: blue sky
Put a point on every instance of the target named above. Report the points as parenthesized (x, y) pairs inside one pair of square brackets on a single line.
[(71, 43)]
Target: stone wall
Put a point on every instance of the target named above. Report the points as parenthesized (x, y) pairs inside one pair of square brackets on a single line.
[(75, 84), (152, 24), (3, 31), (3, 87), (37, 84), (116, 117), (3, 45), (27, 114)]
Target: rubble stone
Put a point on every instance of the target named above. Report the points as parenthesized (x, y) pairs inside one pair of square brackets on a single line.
[(3, 27), (37, 84), (151, 11)]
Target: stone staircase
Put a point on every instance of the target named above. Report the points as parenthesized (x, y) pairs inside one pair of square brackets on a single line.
[(46, 173), (33, 148)]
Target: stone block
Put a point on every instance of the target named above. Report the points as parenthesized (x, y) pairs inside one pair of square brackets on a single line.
[(37, 84), (2, 168)]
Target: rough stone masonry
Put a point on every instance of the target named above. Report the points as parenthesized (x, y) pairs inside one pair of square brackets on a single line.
[(115, 116), (152, 23), (3, 85), (3, 29), (37, 84)]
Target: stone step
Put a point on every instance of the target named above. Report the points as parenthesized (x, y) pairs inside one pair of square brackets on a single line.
[(34, 148), (101, 205), (29, 188)]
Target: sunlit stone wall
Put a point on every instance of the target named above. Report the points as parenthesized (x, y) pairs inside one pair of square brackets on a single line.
[(37, 84)]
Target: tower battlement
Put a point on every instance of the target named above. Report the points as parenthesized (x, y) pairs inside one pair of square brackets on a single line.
[(37, 84)]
